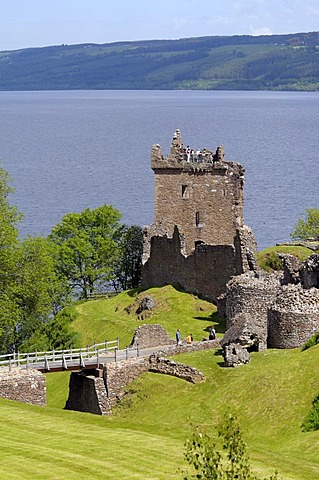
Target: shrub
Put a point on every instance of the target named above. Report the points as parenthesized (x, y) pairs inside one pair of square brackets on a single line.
[(312, 420), (314, 340)]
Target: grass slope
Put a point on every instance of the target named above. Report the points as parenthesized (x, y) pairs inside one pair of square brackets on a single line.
[(144, 438), (98, 320)]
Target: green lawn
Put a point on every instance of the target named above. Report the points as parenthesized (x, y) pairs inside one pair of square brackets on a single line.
[(144, 439), (98, 320)]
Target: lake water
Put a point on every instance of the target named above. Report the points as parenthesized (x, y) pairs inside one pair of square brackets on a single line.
[(69, 150)]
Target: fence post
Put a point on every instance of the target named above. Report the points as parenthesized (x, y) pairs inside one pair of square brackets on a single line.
[(106, 346), (46, 363), (115, 359), (71, 354), (97, 358), (64, 364), (36, 357), (18, 359), (118, 343), (53, 355), (27, 361)]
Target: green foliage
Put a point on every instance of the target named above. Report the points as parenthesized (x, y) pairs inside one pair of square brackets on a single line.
[(55, 334), (229, 463), (128, 271), (87, 248), (311, 422), (311, 342), (307, 227)]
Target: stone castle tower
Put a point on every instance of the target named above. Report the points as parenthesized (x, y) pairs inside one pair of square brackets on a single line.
[(198, 239)]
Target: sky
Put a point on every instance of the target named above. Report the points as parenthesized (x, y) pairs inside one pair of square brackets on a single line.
[(39, 23)]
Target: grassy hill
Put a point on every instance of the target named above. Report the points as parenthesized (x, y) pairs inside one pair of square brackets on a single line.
[(273, 62), (144, 438)]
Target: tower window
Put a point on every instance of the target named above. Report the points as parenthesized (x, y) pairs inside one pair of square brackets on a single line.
[(197, 219), (184, 191)]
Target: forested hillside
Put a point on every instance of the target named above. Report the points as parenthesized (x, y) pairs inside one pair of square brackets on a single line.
[(273, 62)]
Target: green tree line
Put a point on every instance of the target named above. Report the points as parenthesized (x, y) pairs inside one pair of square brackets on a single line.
[(86, 252)]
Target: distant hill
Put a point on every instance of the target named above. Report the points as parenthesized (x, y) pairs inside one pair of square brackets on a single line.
[(272, 62)]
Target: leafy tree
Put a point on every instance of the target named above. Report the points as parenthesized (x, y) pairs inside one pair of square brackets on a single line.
[(308, 227), (88, 248), (229, 463), (38, 287), (9, 242), (55, 334), (128, 272)]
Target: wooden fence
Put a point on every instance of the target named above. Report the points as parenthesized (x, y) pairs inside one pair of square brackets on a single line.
[(74, 358)]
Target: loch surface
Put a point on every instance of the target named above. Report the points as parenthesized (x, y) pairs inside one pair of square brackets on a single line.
[(69, 150)]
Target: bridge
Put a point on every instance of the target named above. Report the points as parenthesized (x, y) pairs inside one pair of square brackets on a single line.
[(87, 358)]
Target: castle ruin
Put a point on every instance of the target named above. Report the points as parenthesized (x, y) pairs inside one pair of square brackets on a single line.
[(198, 240)]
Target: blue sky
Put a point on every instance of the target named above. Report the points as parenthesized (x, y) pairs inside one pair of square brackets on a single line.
[(36, 23)]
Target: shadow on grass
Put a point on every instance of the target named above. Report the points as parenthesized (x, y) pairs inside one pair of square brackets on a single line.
[(214, 320)]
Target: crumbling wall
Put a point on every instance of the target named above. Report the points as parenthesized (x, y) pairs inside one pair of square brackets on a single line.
[(293, 317), (150, 336), (205, 272), (27, 386)]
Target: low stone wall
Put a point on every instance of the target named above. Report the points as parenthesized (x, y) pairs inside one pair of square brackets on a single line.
[(27, 386), (293, 317), (169, 367)]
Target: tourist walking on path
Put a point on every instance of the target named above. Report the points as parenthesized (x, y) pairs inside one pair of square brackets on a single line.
[(178, 337)]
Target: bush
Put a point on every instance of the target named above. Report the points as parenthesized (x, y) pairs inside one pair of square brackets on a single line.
[(314, 340), (312, 420), (228, 463)]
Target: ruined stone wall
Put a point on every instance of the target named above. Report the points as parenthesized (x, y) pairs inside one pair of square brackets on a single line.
[(293, 317), (150, 335), (27, 386), (205, 272)]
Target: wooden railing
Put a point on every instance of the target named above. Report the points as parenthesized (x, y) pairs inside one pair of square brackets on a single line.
[(97, 296), (74, 358)]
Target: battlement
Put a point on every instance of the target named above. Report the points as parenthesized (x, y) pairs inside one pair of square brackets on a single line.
[(189, 159)]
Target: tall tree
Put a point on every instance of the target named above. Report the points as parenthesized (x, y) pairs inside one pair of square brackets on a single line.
[(307, 227), (9, 242), (38, 289), (88, 248), (128, 271)]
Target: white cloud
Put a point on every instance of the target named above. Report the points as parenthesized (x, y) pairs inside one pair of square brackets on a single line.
[(260, 31)]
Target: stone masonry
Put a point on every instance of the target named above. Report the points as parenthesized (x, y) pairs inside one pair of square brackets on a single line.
[(198, 239), (27, 386)]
